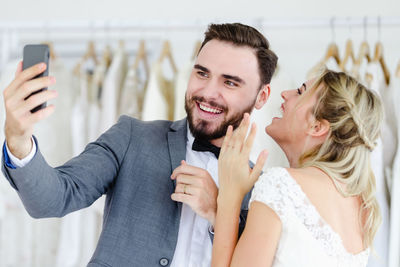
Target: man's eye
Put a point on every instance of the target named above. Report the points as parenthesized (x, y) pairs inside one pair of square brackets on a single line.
[(230, 83), (202, 74)]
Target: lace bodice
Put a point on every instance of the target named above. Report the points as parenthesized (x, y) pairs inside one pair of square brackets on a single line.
[(304, 232)]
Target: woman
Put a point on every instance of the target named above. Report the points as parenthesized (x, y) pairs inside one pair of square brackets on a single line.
[(321, 211)]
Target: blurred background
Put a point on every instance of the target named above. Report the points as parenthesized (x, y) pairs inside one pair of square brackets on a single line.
[(117, 57)]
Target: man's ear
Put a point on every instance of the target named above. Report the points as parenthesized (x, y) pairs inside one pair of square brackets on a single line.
[(319, 128), (263, 96)]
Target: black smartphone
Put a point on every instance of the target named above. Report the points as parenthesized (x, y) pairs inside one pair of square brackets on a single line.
[(34, 54)]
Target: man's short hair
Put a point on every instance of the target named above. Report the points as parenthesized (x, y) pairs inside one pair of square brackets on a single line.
[(243, 35)]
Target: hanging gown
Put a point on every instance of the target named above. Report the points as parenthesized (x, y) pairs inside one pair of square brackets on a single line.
[(159, 98), (394, 238), (79, 230), (374, 80), (16, 226), (111, 90), (263, 117), (180, 90), (133, 91), (31, 242)]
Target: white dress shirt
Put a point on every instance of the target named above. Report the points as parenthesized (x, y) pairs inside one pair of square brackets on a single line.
[(194, 246)]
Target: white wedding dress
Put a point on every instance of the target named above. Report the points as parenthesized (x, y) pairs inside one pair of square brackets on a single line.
[(306, 239)]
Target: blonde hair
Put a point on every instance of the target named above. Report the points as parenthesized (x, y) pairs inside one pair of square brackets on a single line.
[(354, 114)]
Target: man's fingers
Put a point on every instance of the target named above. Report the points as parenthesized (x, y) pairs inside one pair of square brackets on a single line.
[(39, 98), (186, 169), (27, 74), (40, 114), (184, 198), (32, 86), (19, 69), (189, 179)]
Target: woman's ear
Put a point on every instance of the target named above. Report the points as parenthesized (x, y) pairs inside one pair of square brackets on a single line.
[(319, 128), (263, 96)]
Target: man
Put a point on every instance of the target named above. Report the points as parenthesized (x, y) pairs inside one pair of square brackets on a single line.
[(141, 166)]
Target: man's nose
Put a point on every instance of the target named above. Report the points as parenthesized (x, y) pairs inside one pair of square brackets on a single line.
[(211, 89)]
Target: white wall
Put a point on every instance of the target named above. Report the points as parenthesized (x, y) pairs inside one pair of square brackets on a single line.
[(298, 48), (107, 9)]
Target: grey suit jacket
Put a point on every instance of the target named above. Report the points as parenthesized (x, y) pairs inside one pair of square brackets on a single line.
[(131, 163)]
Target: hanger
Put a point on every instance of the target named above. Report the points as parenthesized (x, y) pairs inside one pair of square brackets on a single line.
[(90, 54), (348, 54), (332, 52), (53, 55), (363, 52), (378, 57), (167, 53), (107, 55), (141, 55), (196, 50)]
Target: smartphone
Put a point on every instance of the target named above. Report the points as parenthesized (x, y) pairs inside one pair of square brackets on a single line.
[(34, 54)]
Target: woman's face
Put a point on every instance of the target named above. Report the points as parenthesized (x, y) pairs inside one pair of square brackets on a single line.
[(297, 116)]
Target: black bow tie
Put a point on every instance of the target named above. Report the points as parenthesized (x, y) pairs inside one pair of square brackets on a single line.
[(203, 145)]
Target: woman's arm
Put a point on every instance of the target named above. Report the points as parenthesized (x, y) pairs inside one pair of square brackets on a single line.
[(260, 238), (235, 180)]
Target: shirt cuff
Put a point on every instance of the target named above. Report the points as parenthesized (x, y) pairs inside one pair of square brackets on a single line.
[(13, 162)]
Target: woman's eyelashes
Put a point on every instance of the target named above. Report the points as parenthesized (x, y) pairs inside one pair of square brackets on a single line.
[(299, 92)]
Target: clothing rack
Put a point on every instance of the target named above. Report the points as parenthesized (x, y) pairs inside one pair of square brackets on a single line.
[(188, 25), (73, 33)]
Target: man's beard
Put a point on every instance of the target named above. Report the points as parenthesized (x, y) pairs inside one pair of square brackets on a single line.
[(201, 130)]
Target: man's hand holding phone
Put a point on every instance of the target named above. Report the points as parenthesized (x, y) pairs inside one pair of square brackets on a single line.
[(20, 102)]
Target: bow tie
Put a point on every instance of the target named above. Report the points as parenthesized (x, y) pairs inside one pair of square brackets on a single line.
[(203, 146)]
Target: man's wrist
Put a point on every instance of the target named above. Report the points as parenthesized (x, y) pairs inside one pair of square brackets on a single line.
[(20, 148)]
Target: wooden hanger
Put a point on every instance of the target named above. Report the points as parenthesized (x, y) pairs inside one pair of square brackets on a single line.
[(378, 57), (107, 55), (196, 50), (141, 56), (398, 70), (167, 53), (332, 52), (53, 55), (363, 53), (348, 54), (90, 54)]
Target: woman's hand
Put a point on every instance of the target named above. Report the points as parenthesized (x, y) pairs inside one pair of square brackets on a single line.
[(236, 178)]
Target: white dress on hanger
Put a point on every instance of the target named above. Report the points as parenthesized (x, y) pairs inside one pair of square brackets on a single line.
[(263, 117), (16, 226), (30, 242), (306, 239), (133, 91), (394, 238), (111, 91), (79, 230), (180, 90), (374, 80), (159, 98)]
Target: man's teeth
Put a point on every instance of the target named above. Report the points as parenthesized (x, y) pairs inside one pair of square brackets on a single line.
[(208, 109)]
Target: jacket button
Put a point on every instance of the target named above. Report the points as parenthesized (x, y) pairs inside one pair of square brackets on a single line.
[(164, 262)]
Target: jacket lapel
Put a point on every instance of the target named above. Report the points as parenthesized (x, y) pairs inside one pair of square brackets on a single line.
[(177, 143)]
